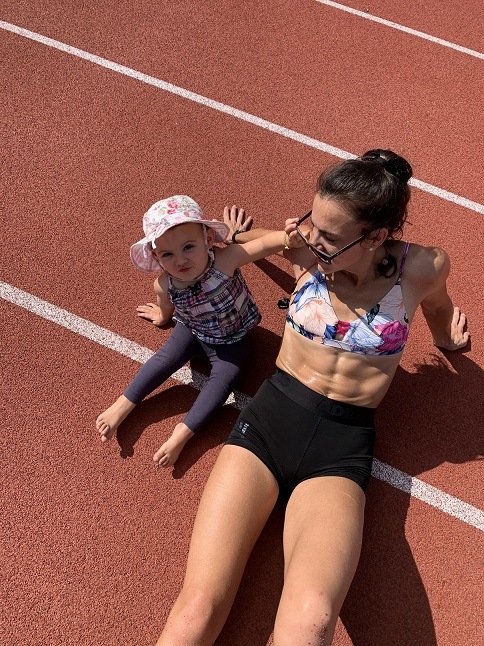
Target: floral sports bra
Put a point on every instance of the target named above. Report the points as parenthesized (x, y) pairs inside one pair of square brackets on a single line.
[(382, 330)]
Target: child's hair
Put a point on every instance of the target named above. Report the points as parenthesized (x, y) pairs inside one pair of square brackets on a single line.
[(373, 188)]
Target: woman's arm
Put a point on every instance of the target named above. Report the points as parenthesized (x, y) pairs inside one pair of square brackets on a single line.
[(237, 255), (446, 322), (240, 226), (293, 249), (160, 313)]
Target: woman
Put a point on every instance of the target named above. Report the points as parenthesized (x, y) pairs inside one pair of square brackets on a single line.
[(308, 433)]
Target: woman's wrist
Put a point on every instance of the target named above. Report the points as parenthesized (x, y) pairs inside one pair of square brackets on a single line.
[(235, 234)]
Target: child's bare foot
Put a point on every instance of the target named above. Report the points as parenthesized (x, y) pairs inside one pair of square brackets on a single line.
[(108, 422), (168, 453)]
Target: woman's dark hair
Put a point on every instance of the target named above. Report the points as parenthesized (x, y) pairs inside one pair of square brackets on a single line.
[(373, 188)]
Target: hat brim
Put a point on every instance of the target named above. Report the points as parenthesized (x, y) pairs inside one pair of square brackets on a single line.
[(141, 252)]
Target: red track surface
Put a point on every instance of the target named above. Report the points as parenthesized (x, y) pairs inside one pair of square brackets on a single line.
[(94, 541)]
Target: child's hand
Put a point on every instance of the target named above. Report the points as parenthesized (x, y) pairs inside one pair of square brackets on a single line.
[(151, 312), (293, 238), (235, 219), (459, 336)]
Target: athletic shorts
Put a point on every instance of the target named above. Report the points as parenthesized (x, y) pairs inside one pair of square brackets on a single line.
[(299, 434)]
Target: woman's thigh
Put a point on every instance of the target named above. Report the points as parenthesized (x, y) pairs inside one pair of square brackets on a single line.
[(322, 543), (236, 503)]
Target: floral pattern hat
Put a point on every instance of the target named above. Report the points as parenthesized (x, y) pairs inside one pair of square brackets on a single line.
[(163, 215)]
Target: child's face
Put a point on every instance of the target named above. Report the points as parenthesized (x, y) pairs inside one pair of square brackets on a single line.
[(181, 251)]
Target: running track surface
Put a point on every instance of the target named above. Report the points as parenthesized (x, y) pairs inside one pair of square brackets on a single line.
[(93, 540)]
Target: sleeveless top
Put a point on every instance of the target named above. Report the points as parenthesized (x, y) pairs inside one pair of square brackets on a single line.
[(382, 330), (217, 308)]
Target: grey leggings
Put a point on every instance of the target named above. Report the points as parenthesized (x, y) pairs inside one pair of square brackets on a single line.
[(183, 345)]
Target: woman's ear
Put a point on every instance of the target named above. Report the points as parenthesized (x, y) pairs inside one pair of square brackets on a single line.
[(376, 238)]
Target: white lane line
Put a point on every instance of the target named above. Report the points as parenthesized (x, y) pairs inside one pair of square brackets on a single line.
[(408, 30), (398, 479), (227, 109), (429, 494), (104, 337)]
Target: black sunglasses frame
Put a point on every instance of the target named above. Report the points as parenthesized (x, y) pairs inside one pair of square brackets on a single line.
[(327, 258)]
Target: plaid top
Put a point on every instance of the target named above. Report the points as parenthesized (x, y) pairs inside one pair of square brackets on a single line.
[(217, 308)]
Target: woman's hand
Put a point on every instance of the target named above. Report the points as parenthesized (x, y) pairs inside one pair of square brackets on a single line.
[(459, 336), (294, 240), (151, 312), (236, 220)]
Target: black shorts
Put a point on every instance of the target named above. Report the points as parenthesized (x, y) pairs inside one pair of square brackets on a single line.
[(299, 434)]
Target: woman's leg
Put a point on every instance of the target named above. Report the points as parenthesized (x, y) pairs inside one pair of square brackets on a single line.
[(322, 543), (236, 503)]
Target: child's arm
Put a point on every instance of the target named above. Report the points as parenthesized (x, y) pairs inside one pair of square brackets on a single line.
[(446, 322), (161, 313)]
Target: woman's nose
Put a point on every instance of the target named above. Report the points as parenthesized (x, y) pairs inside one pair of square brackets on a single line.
[(317, 241)]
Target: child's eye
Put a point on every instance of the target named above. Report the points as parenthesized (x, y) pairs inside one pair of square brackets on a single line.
[(165, 254), (189, 246)]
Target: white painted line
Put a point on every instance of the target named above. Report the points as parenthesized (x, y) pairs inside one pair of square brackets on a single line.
[(227, 109), (104, 337), (429, 494), (407, 30), (398, 479)]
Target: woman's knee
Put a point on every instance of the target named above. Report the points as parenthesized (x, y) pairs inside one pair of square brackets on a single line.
[(308, 618), (196, 615)]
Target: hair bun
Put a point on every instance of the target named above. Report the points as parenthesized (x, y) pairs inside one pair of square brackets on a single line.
[(391, 162)]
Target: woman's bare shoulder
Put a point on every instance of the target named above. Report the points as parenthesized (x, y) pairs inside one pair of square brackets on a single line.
[(426, 264)]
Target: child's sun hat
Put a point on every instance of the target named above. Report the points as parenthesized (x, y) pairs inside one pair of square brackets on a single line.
[(163, 215)]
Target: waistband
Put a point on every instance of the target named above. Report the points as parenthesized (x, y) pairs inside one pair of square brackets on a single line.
[(320, 404)]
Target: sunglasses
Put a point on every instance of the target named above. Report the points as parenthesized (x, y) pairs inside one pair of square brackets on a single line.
[(327, 258)]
